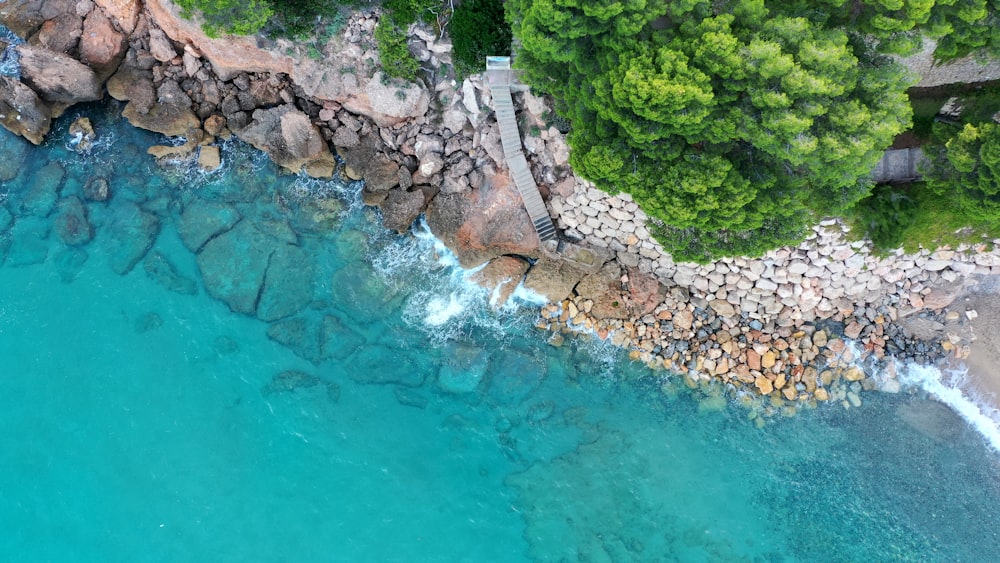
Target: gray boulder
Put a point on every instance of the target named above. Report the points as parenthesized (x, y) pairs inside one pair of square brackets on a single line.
[(233, 266), (401, 208), (134, 231), (160, 269), (203, 220), (23, 113), (39, 199), (72, 224), (58, 77), (288, 285), (380, 365)]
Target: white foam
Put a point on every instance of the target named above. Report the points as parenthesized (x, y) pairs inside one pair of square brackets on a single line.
[(440, 310), (947, 387)]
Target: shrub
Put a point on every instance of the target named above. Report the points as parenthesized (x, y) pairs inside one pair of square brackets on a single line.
[(239, 17), (397, 61), (478, 29)]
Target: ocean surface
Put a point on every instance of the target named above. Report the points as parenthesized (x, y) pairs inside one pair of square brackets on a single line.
[(393, 416)]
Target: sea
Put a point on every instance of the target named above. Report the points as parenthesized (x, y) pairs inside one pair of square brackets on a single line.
[(386, 411)]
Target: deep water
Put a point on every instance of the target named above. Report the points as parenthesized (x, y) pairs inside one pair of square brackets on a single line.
[(400, 419)]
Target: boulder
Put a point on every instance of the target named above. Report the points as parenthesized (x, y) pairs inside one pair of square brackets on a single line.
[(514, 376), (134, 85), (57, 77), (209, 158), (28, 239), (501, 276), (169, 119), (233, 266), (125, 13), (290, 139), (69, 262), (388, 102), (380, 365), (61, 33), (288, 283), (605, 289), (102, 47), (288, 381), (463, 368), (14, 153), (6, 219), (72, 224), (301, 335), (22, 112), (160, 269), (97, 189), (483, 224), (338, 340), (42, 192), (82, 135), (401, 208), (134, 230), (160, 46), (553, 278)]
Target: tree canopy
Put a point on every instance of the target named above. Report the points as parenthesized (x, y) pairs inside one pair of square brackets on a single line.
[(967, 168), (730, 121)]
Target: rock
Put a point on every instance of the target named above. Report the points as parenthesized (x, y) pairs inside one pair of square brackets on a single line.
[(135, 230), (501, 276), (605, 289), (61, 33), (6, 219), (723, 308), (753, 359), (819, 338), (939, 298), (339, 341), (96, 189), (821, 394), (683, 319), (514, 376), (854, 373), (159, 269), (853, 330), (486, 223), (764, 385), (379, 365), (768, 359), (209, 158), (290, 139), (170, 93), (69, 262), (28, 242), (57, 77), (71, 223), (233, 266), (288, 284), (148, 322), (300, 335), (22, 112), (388, 102), (401, 208), (202, 220), (102, 47), (922, 329), (463, 369), (160, 46), (39, 199), (288, 381), (125, 13), (171, 120), (135, 85), (215, 125), (552, 278), (14, 151), (82, 134)]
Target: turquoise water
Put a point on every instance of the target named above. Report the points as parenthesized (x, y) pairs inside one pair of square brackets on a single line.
[(142, 420)]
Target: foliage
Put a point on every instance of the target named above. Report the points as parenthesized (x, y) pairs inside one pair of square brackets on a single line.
[(297, 19), (405, 12), (397, 61), (967, 169), (478, 29), (731, 121), (240, 17), (885, 216)]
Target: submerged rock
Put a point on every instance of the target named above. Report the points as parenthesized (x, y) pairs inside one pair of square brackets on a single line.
[(288, 285), (72, 224), (97, 189), (159, 269), (147, 322), (380, 365), (514, 376), (233, 265), (14, 151), (135, 231), (203, 220), (290, 380), (463, 370), (69, 261), (6, 219), (39, 199), (300, 335), (28, 242), (338, 340)]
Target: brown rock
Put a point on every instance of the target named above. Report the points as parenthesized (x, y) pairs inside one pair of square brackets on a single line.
[(168, 119), (753, 359), (552, 278), (819, 339), (22, 112), (57, 77), (288, 136), (821, 394), (101, 46), (483, 224), (401, 208), (135, 85), (768, 359), (605, 289), (501, 276), (683, 319), (723, 308), (853, 330), (62, 33), (764, 385), (836, 345), (209, 158), (125, 13), (214, 125), (790, 393), (160, 46), (939, 298), (854, 373)]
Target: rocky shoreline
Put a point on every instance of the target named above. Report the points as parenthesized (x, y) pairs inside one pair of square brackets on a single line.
[(780, 326)]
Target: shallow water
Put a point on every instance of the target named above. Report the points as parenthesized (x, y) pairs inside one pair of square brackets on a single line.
[(141, 422)]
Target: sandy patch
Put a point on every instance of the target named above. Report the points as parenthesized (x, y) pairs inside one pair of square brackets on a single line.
[(984, 356)]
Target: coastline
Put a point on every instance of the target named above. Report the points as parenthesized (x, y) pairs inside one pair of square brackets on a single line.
[(983, 363), (777, 326)]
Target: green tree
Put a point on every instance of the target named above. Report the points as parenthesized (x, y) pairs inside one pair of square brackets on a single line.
[(967, 168), (477, 30), (239, 17), (730, 122)]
